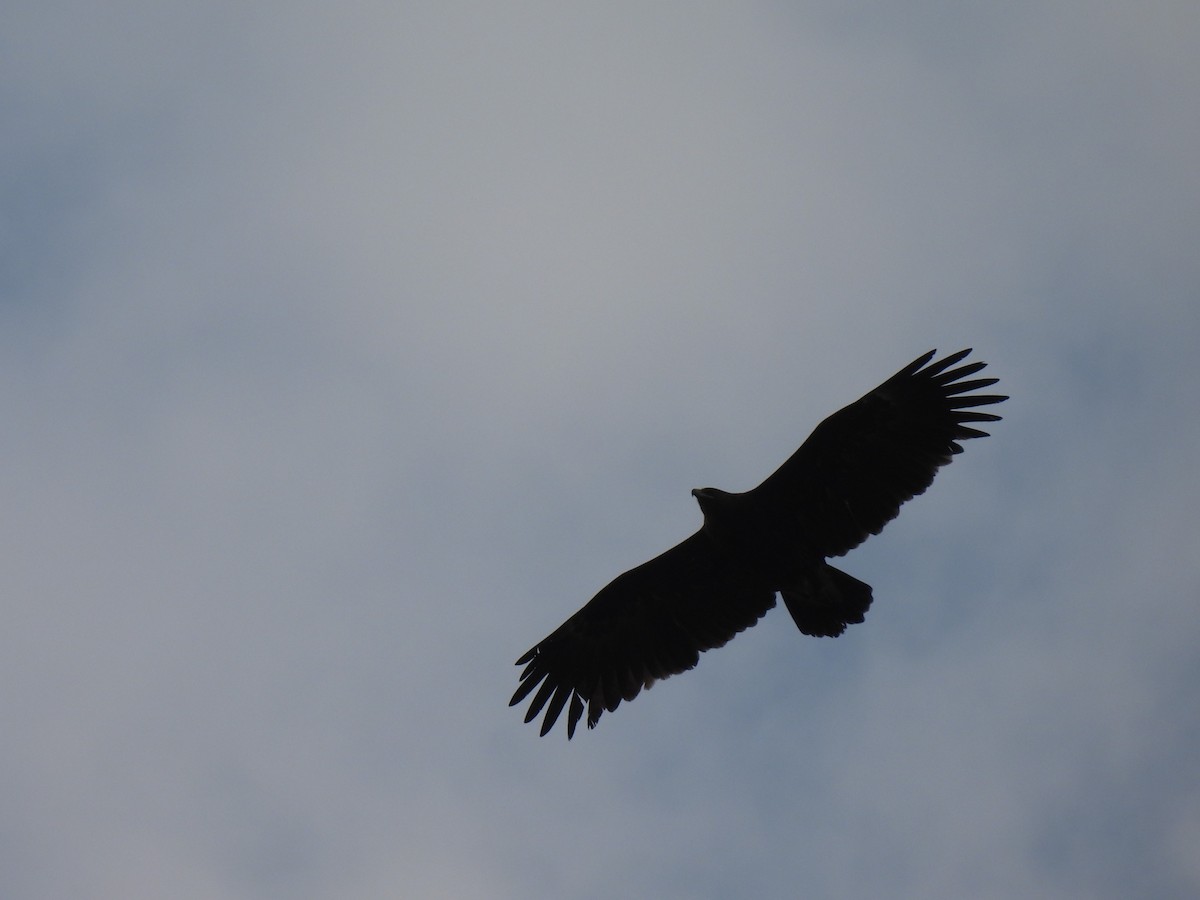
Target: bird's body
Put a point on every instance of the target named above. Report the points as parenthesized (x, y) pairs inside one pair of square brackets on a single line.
[(844, 483)]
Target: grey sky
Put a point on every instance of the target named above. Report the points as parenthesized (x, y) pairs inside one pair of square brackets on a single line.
[(347, 349)]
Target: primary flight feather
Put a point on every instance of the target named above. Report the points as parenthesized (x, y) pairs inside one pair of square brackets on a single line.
[(844, 484)]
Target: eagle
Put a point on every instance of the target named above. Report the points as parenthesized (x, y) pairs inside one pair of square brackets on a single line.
[(844, 484)]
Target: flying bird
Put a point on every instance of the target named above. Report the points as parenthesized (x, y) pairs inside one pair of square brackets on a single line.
[(844, 484)]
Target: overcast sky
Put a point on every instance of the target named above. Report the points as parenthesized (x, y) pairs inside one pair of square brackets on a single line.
[(346, 349)]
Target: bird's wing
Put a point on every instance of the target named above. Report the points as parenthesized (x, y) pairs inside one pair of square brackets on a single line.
[(647, 624), (849, 478)]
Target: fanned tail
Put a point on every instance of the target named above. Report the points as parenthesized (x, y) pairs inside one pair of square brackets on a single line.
[(827, 600)]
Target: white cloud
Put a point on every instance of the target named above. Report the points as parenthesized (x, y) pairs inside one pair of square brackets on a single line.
[(349, 351)]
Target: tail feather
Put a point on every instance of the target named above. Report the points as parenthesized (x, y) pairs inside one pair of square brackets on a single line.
[(827, 600)]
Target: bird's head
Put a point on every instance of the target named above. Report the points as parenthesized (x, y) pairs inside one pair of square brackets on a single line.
[(707, 497)]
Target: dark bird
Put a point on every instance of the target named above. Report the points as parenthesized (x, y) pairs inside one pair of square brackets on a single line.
[(845, 483)]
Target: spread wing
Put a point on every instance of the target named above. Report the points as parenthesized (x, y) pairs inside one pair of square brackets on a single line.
[(850, 477), (647, 624)]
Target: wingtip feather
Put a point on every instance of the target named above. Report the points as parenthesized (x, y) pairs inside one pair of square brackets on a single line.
[(944, 363), (527, 656)]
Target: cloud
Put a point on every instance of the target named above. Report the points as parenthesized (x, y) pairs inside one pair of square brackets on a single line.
[(348, 352)]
